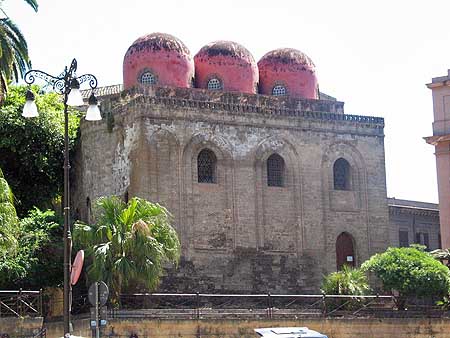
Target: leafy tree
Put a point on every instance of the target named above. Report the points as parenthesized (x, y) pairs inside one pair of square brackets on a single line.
[(409, 272), (8, 219), (14, 59), (32, 149), (37, 261), (128, 243)]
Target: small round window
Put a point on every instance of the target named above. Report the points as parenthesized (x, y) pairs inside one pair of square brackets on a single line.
[(214, 84), (279, 90), (148, 78)]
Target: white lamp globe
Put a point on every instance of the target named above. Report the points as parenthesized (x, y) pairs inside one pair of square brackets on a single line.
[(75, 98), (93, 112), (30, 109)]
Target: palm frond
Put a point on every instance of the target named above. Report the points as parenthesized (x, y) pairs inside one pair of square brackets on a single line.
[(130, 242), (33, 4)]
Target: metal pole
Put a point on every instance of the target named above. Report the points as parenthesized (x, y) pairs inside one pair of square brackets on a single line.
[(97, 310), (63, 85), (67, 235)]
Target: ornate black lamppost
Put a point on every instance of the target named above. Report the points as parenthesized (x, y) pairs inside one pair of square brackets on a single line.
[(67, 84)]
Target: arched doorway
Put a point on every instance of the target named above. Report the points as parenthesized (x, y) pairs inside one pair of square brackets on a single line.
[(345, 253)]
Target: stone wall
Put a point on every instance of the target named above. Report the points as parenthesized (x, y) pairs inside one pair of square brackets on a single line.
[(334, 328), (239, 234), (418, 221), (25, 327)]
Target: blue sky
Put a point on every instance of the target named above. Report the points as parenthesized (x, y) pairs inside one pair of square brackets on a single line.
[(376, 56)]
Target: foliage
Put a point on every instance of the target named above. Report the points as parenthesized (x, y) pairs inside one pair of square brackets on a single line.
[(128, 244), (14, 59), (444, 303), (32, 149), (37, 261), (410, 272), (348, 281), (8, 219)]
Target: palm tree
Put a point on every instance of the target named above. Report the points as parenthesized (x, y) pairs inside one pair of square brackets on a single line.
[(128, 243), (14, 59), (348, 281), (8, 218)]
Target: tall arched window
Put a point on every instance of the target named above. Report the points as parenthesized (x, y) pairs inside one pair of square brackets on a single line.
[(341, 174), (275, 171), (207, 166)]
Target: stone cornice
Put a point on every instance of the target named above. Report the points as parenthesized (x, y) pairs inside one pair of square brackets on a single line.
[(399, 210), (320, 110)]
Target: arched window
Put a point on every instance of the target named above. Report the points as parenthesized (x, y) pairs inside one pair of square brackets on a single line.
[(214, 84), (275, 171), (206, 166), (341, 174), (279, 90), (148, 78)]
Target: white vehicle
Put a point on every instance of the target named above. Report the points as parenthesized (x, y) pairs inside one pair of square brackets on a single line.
[(289, 332)]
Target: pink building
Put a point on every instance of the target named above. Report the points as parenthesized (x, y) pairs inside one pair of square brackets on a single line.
[(440, 87)]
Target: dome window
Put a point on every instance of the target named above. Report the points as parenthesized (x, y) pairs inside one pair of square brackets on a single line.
[(279, 90), (148, 78), (214, 84)]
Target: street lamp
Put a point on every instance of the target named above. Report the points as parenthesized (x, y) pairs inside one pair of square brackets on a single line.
[(67, 84)]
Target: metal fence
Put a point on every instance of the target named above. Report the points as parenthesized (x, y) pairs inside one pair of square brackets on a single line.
[(20, 303), (260, 306)]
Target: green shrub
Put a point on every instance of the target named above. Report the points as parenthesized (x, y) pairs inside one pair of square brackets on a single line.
[(409, 272)]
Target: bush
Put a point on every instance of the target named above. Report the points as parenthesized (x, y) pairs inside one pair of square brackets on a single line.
[(37, 261), (409, 272), (348, 281)]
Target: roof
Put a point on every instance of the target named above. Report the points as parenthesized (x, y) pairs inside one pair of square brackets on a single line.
[(102, 91), (394, 202)]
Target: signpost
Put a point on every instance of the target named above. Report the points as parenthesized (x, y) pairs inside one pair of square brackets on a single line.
[(98, 296)]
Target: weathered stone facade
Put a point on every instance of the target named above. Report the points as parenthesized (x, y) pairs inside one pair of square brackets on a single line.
[(414, 222), (240, 234)]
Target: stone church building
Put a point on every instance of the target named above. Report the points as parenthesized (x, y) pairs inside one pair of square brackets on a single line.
[(271, 185)]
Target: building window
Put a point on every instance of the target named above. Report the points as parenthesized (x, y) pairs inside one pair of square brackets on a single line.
[(403, 239), (423, 239), (206, 166), (275, 171), (341, 174), (214, 84), (279, 90), (148, 78)]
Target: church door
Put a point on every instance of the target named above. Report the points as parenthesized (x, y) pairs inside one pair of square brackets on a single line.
[(345, 253)]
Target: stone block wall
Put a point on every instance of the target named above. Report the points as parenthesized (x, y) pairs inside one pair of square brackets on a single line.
[(239, 234)]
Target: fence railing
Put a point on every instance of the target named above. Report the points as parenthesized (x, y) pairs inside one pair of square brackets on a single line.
[(20, 303), (255, 306)]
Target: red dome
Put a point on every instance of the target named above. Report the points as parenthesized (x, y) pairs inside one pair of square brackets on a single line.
[(287, 72), (226, 65), (158, 59)]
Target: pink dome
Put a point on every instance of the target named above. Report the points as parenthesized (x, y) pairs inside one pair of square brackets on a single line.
[(226, 65), (158, 58), (287, 72)]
